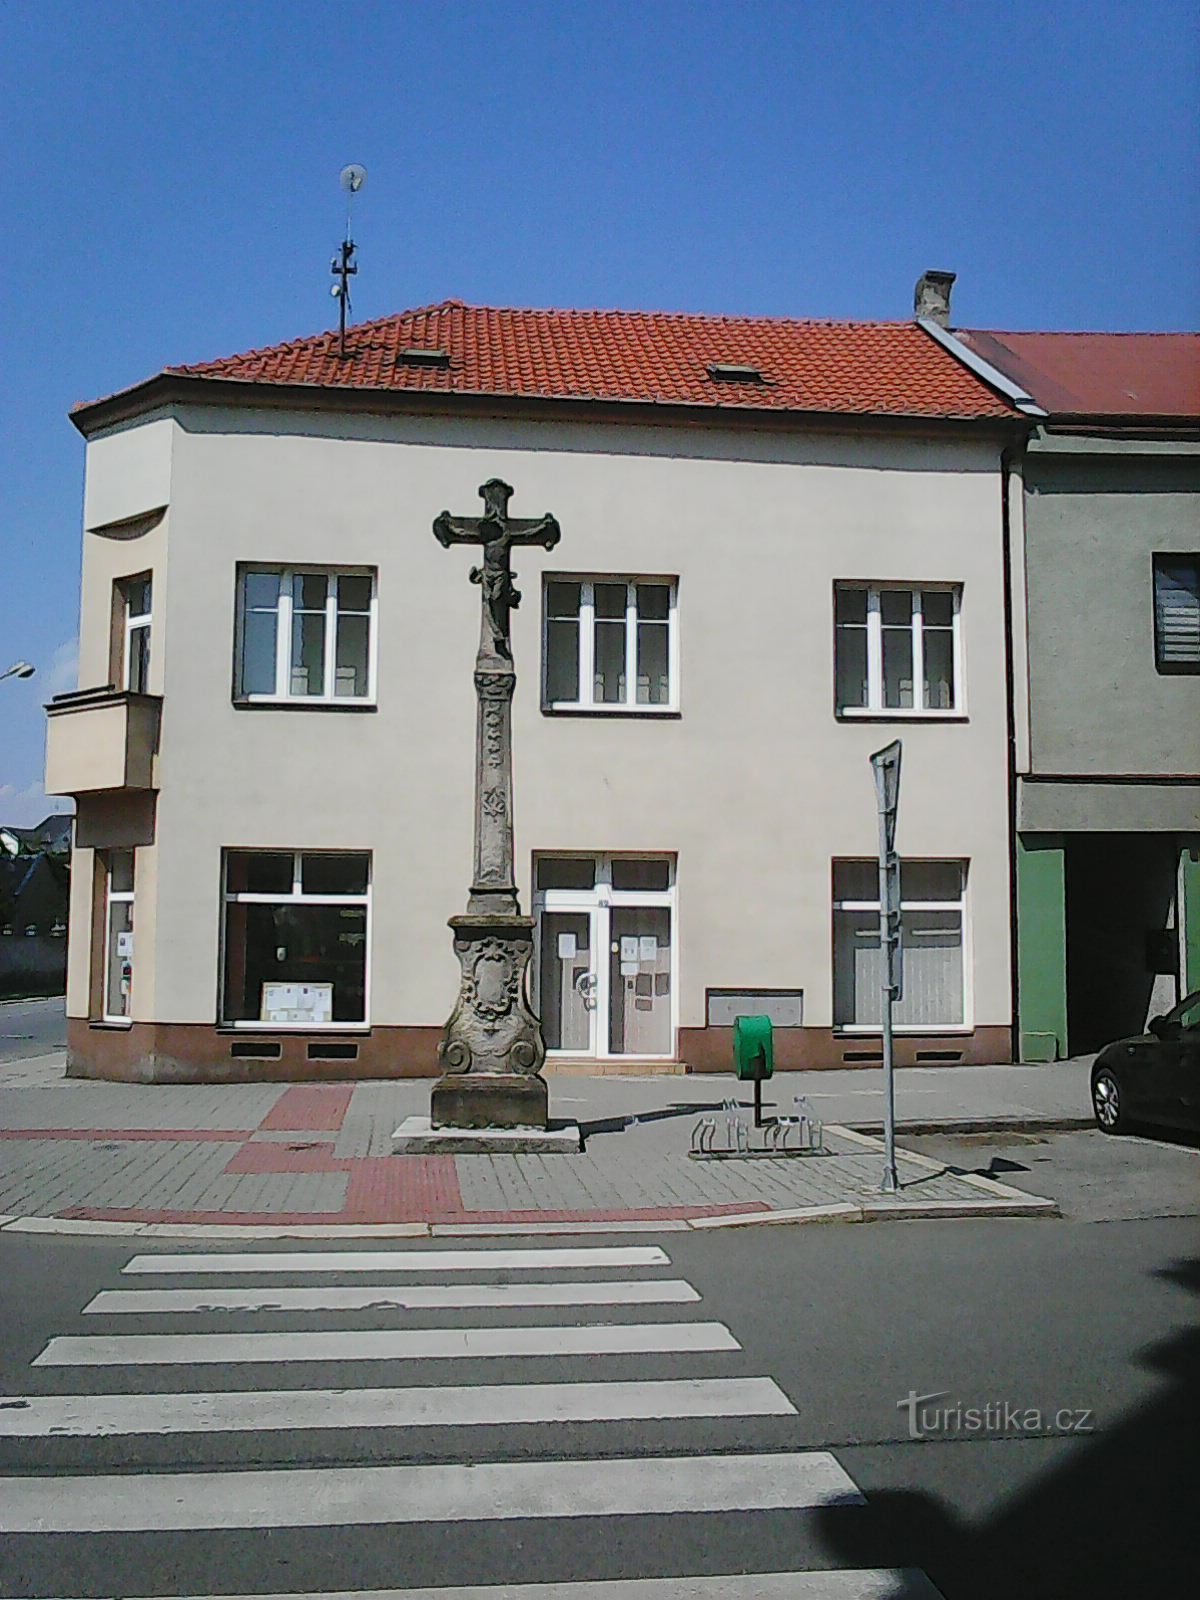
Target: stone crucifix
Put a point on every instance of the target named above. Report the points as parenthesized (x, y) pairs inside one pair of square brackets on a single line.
[(492, 1049)]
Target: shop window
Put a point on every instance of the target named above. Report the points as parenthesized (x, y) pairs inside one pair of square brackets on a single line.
[(932, 934), (118, 936), (295, 937)]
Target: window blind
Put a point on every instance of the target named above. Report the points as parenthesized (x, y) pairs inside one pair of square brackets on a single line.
[(1177, 611)]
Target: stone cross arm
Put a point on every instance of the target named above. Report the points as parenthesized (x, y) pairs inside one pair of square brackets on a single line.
[(496, 528)]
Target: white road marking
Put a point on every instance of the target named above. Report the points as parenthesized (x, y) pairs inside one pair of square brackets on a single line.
[(99, 1416), (645, 1291), (875, 1584), (355, 1496), (302, 1261), (392, 1344)]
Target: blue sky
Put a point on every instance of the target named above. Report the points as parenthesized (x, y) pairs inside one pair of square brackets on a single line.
[(169, 193)]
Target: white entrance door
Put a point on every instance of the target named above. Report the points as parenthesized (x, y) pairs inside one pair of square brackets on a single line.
[(605, 967)]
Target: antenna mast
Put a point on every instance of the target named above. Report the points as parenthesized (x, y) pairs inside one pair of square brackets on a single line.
[(342, 266)]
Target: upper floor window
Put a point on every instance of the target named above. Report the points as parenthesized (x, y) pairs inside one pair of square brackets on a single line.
[(610, 644), (898, 651), (1177, 613), (135, 597), (306, 635)]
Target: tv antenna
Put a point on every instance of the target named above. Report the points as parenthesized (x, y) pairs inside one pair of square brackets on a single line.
[(342, 266)]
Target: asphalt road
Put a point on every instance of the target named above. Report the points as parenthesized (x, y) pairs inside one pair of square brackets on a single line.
[(1095, 1319), (32, 1027)]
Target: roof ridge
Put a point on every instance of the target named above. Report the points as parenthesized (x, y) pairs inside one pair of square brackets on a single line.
[(311, 338), (690, 316), (1086, 333)]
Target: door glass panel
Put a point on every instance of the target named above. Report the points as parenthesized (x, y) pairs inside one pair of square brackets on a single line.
[(120, 959), (566, 872), (567, 981), (640, 874), (640, 981)]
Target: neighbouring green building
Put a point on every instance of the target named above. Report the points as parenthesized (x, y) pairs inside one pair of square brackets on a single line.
[(1105, 600)]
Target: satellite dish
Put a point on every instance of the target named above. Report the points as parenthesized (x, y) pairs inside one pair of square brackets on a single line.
[(353, 177)]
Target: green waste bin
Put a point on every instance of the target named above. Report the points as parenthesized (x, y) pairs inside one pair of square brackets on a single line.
[(754, 1055), (753, 1047)]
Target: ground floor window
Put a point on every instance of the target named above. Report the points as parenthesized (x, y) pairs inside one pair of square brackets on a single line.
[(118, 935), (295, 938), (605, 961), (932, 930)]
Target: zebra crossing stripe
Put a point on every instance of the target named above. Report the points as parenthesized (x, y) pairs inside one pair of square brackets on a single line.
[(391, 1344), (875, 1584), (100, 1416), (356, 1496), (303, 1261), (442, 1296)]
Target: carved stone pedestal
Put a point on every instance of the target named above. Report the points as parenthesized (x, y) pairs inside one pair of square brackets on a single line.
[(492, 1051)]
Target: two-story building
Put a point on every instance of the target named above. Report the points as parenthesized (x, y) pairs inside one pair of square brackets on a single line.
[(1106, 584), (782, 547)]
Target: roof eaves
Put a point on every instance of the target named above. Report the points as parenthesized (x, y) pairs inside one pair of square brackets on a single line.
[(1019, 397), (174, 384)]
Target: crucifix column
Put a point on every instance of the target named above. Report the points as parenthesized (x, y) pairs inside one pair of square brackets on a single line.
[(492, 1048)]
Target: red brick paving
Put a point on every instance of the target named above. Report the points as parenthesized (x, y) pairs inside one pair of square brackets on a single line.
[(179, 1135), (287, 1219), (309, 1108)]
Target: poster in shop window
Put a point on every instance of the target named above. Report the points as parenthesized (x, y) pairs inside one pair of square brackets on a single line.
[(297, 1002)]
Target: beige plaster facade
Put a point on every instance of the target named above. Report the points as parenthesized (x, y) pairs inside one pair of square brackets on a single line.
[(754, 787)]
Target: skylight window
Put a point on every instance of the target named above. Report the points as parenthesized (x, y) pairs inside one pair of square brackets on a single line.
[(415, 356), (734, 372)]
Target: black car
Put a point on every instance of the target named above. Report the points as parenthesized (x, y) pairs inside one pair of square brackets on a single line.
[(1153, 1078)]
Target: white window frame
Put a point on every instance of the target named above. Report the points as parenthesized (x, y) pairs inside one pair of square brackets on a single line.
[(296, 897), (282, 694), (962, 905), (875, 708), (599, 903), (630, 706), (113, 897), (136, 622)]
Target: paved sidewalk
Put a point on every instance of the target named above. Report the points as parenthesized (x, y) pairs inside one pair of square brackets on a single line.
[(303, 1157)]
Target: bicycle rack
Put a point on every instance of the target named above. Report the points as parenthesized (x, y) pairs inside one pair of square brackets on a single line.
[(732, 1135)]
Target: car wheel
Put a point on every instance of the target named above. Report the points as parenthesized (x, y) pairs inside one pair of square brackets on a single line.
[(1108, 1103)]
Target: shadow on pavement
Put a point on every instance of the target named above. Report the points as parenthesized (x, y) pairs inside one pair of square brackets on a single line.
[(620, 1124), (1119, 1518)]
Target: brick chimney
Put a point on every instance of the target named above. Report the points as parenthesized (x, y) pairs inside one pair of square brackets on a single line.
[(932, 297)]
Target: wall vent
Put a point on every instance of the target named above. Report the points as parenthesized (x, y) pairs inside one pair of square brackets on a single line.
[(256, 1050), (939, 1055), (862, 1055), (332, 1050)]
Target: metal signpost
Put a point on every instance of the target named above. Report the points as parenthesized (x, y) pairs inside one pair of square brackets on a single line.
[(885, 764)]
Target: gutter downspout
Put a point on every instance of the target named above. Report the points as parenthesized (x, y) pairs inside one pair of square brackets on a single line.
[(1014, 948)]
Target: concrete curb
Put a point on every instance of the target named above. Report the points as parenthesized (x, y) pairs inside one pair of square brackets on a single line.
[(999, 1125)]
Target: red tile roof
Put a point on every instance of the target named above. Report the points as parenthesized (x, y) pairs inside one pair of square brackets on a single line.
[(859, 368), (1099, 374)]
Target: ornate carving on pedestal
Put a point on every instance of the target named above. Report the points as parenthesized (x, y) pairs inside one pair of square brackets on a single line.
[(493, 1027), (492, 1050)]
